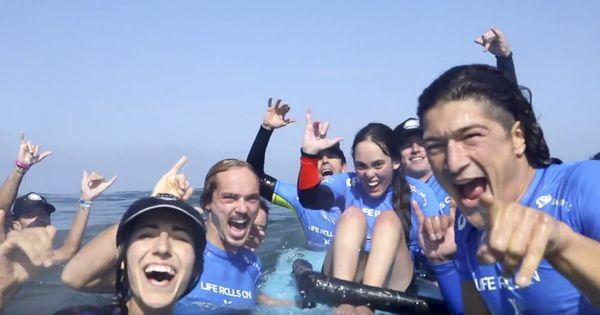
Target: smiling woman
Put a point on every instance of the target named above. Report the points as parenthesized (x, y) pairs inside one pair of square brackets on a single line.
[(160, 242)]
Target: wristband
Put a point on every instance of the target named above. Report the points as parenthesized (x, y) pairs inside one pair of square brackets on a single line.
[(309, 173), (166, 196), (22, 166), (85, 204)]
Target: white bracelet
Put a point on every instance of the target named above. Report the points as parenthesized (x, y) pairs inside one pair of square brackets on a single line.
[(85, 204)]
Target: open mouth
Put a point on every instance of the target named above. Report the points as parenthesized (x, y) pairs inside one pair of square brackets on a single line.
[(326, 172), (470, 190), (159, 274), (417, 159), (239, 225)]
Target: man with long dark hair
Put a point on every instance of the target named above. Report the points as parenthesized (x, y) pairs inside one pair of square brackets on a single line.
[(528, 216)]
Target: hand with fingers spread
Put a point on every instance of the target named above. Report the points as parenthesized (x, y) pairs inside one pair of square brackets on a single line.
[(23, 255), (315, 136), (436, 234), (518, 237), (174, 183), (495, 42), (27, 251), (29, 153), (93, 185), (275, 115)]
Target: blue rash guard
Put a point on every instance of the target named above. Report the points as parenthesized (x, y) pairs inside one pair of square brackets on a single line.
[(228, 281), (441, 195), (447, 273), (318, 225), (347, 191), (569, 193)]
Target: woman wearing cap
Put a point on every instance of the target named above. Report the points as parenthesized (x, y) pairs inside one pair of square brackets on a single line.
[(155, 261)]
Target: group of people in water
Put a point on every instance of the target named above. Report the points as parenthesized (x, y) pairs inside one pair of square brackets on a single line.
[(468, 190)]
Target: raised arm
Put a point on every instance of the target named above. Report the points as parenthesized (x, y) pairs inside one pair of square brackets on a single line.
[(92, 186), (29, 154), (311, 194), (93, 268), (497, 44), (274, 118)]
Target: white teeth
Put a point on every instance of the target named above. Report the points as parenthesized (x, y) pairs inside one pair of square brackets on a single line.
[(373, 184), (239, 221), (160, 268)]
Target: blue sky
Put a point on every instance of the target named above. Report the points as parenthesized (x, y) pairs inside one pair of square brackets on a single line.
[(126, 87)]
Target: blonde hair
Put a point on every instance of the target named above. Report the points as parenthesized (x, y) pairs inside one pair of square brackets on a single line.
[(210, 181)]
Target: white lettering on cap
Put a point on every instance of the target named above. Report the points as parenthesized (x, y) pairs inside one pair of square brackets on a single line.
[(34, 197), (412, 124)]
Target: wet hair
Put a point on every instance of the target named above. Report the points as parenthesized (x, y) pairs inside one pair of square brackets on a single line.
[(334, 150), (383, 137), (122, 288), (210, 181), (505, 99)]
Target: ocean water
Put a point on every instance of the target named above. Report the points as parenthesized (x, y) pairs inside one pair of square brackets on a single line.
[(283, 244)]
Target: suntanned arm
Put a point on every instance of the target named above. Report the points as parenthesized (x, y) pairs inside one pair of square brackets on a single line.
[(93, 268), (73, 240), (28, 155), (8, 194), (92, 186), (472, 302)]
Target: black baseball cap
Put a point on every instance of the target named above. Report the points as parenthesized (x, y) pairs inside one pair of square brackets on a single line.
[(30, 203), (334, 150), (407, 128), (149, 205)]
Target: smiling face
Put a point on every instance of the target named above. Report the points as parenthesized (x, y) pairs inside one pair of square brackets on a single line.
[(330, 164), (471, 154), (414, 157), (160, 259), (233, 207), (374, 168)]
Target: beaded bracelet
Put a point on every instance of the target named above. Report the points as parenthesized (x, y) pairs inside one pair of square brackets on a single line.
[(85, 204), (22, 167)]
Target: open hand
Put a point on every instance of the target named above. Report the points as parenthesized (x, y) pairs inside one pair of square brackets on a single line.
[(94, 184), (24, 253), (315, 136), (275, 115), (29, 153)]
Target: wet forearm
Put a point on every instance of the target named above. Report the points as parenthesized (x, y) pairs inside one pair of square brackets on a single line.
[(73, 240), (92, 269), (9, 190)]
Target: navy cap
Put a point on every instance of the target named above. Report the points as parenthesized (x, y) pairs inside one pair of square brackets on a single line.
[(150, 205), (30, 203), (334, 150), (406, 128)]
